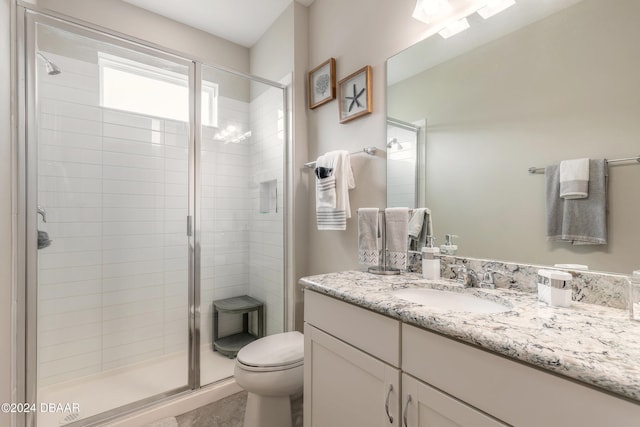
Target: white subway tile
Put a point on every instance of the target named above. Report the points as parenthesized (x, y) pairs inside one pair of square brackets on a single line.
[(69, 139), (132, 201), (132, 255), (68, 169), (69, 185), (132, 228), (146, 280), (132, 187), (70, 124), (69, 259), (53, 153), (64, 290), (69, 349), (131, 268), (57, 326), (132, 161), (52, 199), (133, 174), (133, 120), (124, 242), (132, 147), (131, 133), (66, 304), (132, 308), (70, 94), (59, 107)]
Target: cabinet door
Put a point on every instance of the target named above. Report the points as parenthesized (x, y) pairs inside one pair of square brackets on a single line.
[(425, 406), (345, 387)]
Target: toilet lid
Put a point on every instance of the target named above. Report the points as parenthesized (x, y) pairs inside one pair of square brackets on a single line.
[(274, 351)]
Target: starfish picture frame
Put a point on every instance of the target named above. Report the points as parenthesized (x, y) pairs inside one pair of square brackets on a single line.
[(354, 95), (321, 83)]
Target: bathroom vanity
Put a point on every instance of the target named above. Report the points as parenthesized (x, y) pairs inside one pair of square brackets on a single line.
[(374, 359)]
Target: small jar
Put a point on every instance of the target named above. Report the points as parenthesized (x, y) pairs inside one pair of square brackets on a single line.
[(634, 295)]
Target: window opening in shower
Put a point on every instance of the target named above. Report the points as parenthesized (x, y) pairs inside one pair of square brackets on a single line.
[(132, 86)]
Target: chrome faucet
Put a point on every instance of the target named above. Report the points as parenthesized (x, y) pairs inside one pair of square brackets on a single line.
[(488, 279), (465, 276)]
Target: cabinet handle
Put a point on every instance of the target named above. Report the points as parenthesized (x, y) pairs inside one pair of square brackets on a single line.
[(406, 406), (386, 404)]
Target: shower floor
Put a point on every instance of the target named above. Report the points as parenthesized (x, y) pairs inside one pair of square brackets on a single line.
[(100, 393)]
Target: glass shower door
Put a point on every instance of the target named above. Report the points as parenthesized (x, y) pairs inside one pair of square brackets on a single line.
[(240, 224), (108, 159)]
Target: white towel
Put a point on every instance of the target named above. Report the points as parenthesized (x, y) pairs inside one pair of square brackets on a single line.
[(397, 221), (335, 218), (574, 179), (368, 232)]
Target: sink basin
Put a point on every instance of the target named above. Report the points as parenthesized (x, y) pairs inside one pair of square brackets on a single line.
[(450, 301)]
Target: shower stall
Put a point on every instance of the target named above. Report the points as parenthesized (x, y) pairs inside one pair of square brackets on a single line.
[(151, 186)]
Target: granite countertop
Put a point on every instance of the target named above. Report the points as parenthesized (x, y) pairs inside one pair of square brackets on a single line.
[(593, 344)]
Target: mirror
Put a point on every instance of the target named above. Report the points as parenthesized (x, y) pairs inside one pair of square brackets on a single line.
[(541, 82)]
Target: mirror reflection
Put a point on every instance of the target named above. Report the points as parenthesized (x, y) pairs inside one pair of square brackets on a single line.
[(537, 84)]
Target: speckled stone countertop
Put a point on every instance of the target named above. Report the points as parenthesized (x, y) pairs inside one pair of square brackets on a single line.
[(593, 344)]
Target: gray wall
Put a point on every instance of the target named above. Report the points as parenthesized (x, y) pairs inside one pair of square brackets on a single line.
[(356, 33), (554, 90)]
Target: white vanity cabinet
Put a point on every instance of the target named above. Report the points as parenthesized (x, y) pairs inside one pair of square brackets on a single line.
[(347, 385), (510, 391), (425, 406)]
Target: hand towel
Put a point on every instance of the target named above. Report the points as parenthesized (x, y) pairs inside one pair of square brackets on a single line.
[(325, 182), (335, 218), (368, 233), (396, 222), (574, 179), (419, 227), (579, 221)]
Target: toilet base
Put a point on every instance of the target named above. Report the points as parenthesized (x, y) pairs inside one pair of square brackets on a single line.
[(267, 411)]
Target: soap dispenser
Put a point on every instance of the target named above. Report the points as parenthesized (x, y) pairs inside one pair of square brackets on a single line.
[(430, 260), (449, 248)]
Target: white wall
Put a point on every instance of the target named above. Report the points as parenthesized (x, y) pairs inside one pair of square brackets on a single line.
[(6, 216), (139, 23), (356, 33)]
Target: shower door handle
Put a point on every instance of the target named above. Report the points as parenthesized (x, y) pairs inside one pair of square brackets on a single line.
[(42, 212)]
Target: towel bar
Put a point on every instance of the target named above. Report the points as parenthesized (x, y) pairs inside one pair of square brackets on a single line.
[(368, 150), (534, 169)]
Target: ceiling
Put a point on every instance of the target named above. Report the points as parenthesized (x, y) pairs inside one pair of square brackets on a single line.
[(240, 21)]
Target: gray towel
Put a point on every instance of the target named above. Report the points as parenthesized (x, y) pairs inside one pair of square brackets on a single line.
[(420, 226), (368, 231), (396, 222), (579, 221)]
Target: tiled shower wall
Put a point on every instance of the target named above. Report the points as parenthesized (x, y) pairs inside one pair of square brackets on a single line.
[(266, 269), (113, 284)]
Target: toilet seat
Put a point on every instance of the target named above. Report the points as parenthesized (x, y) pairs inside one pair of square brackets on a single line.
[(273, 353)]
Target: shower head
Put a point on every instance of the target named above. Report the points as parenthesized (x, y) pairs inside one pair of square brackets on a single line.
[(52, 69), (393, 141)]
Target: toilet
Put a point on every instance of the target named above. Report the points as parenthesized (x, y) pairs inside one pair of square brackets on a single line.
[(270, 369)]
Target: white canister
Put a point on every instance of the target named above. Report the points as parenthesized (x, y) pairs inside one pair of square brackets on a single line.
[(431, 263), (554, 287)]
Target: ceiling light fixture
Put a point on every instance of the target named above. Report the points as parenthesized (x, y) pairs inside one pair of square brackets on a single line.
[(454, 28), (494, 7), (428, 10)]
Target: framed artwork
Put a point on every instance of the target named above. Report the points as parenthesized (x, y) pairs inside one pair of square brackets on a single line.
[(322, 83), (354, 95)]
